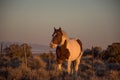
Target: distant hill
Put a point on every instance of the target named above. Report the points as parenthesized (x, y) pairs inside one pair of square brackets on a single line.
[(36, 48)]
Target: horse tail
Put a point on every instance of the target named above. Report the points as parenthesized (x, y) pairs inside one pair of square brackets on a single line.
[(80, 43)]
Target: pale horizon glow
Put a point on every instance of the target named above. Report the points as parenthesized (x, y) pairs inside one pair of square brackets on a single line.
[(94, 22)]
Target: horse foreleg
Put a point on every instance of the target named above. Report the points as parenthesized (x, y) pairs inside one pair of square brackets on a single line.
[(59, 67), (69, 67)]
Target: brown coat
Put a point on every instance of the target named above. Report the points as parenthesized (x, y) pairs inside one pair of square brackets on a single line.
[(62, 52)]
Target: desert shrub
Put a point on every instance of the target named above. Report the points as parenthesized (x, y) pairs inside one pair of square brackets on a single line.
[(4, 62), (111, 54), (113, 66), (47, 56), (33, 64), (87, 52), (15, 62), (100, 73), (43, 74), (10, 62), (99, 68), (16, 50), (26, 49), (14, 73), (94, 51), (36, 62), (84, 67), (4, 73), (2, 78), (113, 75), (98, 64), (49, 59)]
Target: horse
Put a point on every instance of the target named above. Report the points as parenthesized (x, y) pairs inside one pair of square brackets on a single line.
[(66, 49)]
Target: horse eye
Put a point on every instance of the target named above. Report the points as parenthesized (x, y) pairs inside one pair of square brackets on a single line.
[(54, 34)]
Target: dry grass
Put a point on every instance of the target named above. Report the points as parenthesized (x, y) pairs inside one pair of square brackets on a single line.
[(44, 67)]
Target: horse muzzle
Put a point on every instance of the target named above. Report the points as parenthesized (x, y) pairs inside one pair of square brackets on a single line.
[(52, 45)]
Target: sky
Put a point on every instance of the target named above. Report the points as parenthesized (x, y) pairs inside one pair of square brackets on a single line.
[(94, 22)]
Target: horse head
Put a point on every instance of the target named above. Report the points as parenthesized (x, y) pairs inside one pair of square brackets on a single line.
[(56, 38)]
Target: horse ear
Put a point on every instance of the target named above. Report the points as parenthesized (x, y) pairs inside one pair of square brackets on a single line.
[(54, 29), (60, 29)]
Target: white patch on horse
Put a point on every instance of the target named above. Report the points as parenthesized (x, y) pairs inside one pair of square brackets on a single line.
[(54, 34)]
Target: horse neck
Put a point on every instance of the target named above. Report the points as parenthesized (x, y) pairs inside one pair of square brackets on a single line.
[(63, 40)]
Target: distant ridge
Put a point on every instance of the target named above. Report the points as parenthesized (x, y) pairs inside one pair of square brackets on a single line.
[(36, 48)]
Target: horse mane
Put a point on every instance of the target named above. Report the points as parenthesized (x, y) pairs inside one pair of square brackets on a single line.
[(65, 35)]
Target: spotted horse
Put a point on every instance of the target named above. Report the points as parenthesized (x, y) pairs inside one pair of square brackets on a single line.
[(67, 49)]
